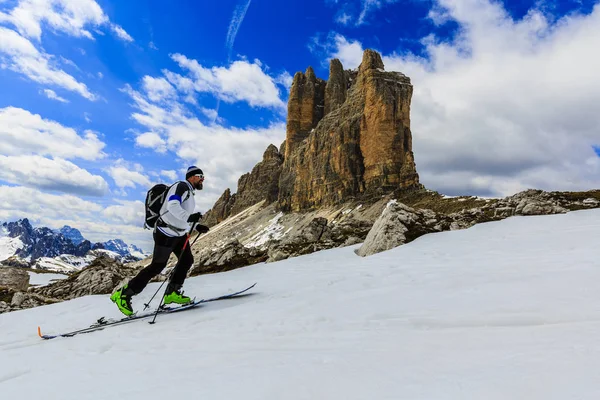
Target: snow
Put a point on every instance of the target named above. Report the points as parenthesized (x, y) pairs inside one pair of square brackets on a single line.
[(273, 231), (43, 279), (502, 310), (9, 246)]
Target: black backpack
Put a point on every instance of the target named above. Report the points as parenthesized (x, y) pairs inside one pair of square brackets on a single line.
[(154, 201)]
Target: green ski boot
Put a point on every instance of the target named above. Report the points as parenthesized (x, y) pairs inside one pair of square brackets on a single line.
[(176, 297), (122, 298)]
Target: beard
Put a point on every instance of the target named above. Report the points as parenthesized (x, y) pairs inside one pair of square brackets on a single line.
[(198, 186)]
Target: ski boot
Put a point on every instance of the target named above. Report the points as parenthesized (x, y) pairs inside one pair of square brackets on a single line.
[(175, 295), (122, 298)]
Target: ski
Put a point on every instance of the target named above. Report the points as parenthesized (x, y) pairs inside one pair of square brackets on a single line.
[(102, 323)]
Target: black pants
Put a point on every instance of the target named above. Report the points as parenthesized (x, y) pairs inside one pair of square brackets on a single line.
[(163, 247)]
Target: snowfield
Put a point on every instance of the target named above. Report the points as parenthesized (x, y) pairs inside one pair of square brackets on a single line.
[(503, 310)]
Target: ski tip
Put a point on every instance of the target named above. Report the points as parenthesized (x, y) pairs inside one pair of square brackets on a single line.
[(40, 332)]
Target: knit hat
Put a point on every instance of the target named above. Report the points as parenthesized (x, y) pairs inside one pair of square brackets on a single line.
[(193, 170)]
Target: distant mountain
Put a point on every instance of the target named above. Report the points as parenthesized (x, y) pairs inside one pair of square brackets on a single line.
[(121, 248), (45, 248), (71, 233)]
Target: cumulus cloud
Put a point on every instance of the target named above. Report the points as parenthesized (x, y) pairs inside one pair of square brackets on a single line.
[(509, 104), (241, 81), (74, 18), (128, 175), (169, 174), (127, 212), (51, 94), (151, 140), (51, 174), (224, 154), (158, 89), (19, 55), (24, 133)]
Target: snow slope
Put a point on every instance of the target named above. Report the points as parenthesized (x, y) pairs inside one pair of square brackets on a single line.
[(503, 310), (9, 246)]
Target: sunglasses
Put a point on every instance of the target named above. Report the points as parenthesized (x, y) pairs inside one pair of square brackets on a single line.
[(201, 176)]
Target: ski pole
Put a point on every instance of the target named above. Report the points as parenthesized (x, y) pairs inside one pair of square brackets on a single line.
[(146, 305), (187, 240)]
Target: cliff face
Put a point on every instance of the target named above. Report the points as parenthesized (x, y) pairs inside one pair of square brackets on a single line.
[(305, 108), (346, 137), (362, 145)]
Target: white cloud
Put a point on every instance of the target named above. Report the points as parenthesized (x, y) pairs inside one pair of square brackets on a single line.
[(285, 79), (343, 18), (51, 94), (151, 140), (97, 223), (170, 174), (235, 23), (74, 18), (348, 7), (224, 154), (127, 212), (121, 33), (51, 174), (158, 89), (241, 81), (87, 117), (152, 46), (20, 55), (507, 105), (23, 133), (128, 175), (100, 75), (60, 15)]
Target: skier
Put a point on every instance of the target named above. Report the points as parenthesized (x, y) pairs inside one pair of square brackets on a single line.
[(170, 235)]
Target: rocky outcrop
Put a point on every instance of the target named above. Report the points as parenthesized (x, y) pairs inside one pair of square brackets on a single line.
[(230, 256), (362, 146), (13, 300), (100, 277), (15, 262), (398, 224), (305, 108), (336, 87), (260, 184), (221, 210), (15, 278), (531, 202)]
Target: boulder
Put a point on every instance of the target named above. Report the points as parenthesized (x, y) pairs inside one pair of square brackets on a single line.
[(398, 224), (15, 278)]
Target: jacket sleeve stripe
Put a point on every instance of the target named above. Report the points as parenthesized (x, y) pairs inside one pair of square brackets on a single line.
[(175, 197)]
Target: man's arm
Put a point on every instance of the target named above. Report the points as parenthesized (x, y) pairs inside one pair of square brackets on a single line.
[(174, 202)]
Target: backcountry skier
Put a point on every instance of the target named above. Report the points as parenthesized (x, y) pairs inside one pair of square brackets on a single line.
[(170, 235)]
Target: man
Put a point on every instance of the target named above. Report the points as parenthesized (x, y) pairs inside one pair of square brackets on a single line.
[(170, 235)]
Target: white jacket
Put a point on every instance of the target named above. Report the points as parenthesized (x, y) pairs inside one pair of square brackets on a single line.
[(178, 206)]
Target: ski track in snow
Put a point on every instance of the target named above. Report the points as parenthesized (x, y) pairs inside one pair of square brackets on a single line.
[(503, 310)]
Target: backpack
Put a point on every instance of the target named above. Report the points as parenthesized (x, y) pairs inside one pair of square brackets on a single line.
[(154, 202)]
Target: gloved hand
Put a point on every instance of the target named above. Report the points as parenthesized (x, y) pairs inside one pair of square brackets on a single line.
[(195, 217), (202, 229)]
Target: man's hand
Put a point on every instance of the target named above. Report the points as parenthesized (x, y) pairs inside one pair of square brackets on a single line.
[(195, 217), (202, 229)]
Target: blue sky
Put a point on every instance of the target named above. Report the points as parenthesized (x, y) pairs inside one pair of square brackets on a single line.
[(100, 99)]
